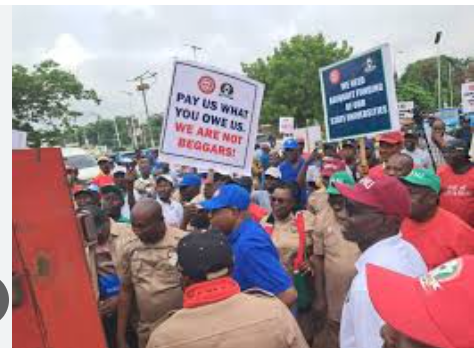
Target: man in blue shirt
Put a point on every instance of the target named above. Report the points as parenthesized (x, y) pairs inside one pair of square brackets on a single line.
[(257, 263), (291, 167)]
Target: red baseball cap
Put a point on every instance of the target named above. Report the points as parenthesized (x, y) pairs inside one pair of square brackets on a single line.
[(436, 309), (332, 165), (387, 194), (391, 138)]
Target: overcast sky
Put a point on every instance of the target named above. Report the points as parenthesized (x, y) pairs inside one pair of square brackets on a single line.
[(106, 46)]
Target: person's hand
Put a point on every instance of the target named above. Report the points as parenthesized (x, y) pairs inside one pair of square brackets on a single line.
[(305, 267), (190, 210), (312, 157), (108, 306)]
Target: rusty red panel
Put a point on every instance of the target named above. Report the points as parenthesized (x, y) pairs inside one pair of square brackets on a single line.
[(50, 259)]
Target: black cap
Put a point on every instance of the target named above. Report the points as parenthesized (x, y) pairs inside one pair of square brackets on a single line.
[(457, 145), (203, 256)]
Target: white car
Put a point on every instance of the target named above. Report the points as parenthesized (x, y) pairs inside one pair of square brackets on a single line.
[(83, 161)]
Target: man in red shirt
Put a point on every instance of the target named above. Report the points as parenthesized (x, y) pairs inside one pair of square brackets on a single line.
[(105, 176), (457, 181), (389, 144), (438, 234)]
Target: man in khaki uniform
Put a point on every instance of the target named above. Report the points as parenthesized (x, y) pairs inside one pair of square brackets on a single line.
[(334, 263), (148, 271), (216, 313)]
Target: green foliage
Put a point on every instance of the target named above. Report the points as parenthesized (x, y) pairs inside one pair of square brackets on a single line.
[(42, 101), (420, 81), (291, 77)]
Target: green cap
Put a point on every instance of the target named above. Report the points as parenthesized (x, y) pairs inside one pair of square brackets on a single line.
[(342, 177), (424, 177), (111, 189)]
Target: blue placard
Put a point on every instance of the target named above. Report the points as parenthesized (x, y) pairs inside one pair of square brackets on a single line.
[(359, 96)]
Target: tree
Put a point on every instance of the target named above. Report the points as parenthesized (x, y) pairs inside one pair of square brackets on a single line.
[(291, 77), (42, 101), (420, 81)]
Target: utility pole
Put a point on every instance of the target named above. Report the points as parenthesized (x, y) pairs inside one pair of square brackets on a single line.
[(195, 50), (132, 119), (450, 76), (437, 41), (143, 87), (117, 134)]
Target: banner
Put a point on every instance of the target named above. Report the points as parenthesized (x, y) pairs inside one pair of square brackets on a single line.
[(359, 95), (467, 94), (286, 125), (211, 120)]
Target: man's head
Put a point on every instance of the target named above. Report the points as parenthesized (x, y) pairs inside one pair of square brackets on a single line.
[(105, 165), (164, 187), (228, 207), (330, 150), (245, 182), (144, 167), (204, 256), (335, 199), (349, 151), (399, 165), (274, 158), (291, 148), (148, 222), (424, 186), (101, 222), (438, 127), (374, 209), (112, 201), (83, 197), (432, 311), (189, 187), (411, 140), (390, 144), (119, 177), (283, 200), (272, 178), (456, 153)]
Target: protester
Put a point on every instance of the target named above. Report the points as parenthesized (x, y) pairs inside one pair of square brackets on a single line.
[(399, 165), (437, 234), (254, 319), (144, 186), (390, 143), (412, 148), (457, 181), (274, 158), (172, 210), (464, 132), (124, 181), (433, 311), (262, 197), (292, 234), (256, 258), (348, 154), (105, 177), (292, 166), (374, 211), (113, 203), (333, 263), (437, 140), (148, 271), (84, 196)]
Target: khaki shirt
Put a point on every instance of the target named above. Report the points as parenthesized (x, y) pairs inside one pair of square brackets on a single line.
[(286, 238), (240, 321), (151, 270), (339, 255)]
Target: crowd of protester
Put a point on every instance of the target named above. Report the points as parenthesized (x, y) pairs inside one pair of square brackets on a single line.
[(323, 248)]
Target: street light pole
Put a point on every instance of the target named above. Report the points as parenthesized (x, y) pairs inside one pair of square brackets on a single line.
[(195, 49), (437, 41), (132, 119)]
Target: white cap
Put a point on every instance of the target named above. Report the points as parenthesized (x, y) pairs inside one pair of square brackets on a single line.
[(274, 172), (166, 177), (119, 169)]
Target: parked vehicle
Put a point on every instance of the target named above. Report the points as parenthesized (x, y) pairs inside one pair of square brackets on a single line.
[(83, 161)]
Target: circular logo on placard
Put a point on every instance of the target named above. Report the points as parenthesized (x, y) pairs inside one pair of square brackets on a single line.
[(335, 76), (206, 84), (227, 90)]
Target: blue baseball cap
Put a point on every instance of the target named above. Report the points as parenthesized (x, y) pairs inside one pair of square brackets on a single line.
[(290, 144), (190, 179), (228, 196)]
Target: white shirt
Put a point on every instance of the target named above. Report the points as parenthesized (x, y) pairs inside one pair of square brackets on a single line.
[(360, 323), (421, 158), (172, 212)]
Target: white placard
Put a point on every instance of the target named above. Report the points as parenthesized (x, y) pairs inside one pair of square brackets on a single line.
[(405, 109), (19, 140), (286, 125), (211, 120), (467, 93)]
